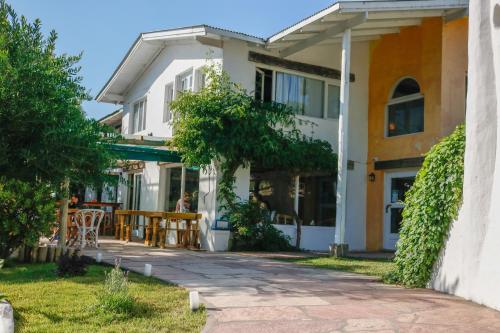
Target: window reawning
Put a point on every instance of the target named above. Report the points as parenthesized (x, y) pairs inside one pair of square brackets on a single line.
[(144, 153)]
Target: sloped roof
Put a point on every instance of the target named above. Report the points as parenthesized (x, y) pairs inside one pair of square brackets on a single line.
[(368, 19)]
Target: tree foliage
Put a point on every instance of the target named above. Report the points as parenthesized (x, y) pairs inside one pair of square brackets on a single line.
[(253, 229), (26, 213), (430, 207), (46, 138), (225, 124), (45, 134)]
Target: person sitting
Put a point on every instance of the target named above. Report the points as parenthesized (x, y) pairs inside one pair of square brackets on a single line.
[(73, 202), (184, 204)]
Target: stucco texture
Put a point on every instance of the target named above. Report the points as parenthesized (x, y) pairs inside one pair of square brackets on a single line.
[(414, 52), (433, 55), (469, 265)]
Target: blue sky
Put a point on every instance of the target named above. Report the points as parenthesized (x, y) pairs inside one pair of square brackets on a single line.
[(104, 29)]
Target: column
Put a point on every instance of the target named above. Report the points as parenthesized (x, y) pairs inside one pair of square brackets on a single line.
[(343, 141)]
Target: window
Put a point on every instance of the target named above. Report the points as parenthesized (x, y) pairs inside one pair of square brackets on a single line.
[(317, 199), (405, 110), (139, 117), (275, 190), (169, 97), (264, 85), (333, 101), (185, 81), (200, 79), (173, 188), (304, 95), (309, 97)]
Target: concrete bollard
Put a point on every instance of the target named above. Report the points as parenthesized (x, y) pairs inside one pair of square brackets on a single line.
[(6, 317), (194, 300), (147, 269), (98, 257)]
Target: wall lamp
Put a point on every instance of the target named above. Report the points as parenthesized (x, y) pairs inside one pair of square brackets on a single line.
[(371, 177)]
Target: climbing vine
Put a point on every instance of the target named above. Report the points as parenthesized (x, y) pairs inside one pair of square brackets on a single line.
[(224, 126), (430, 207)]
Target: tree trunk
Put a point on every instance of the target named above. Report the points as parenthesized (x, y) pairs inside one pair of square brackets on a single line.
[(64, 214), (298, 222)]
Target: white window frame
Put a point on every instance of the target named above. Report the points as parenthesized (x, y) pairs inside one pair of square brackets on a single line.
[(326, 82), (180, 76), (199, 81), (132, 121), (397, 100), (167, 113)]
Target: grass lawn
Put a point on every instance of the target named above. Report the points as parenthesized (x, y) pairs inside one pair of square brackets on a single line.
[(373, 267), (45, 303)]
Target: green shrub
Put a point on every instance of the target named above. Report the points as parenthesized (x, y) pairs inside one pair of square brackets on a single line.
[(74, 265), (27, 211), (430, 207), (115, 296), (253, 230)]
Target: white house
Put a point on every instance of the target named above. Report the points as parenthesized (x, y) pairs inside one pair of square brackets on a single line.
[(374, 75)]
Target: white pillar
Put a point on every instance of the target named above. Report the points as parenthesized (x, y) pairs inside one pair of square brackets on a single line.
[(183, 186), (343, 138), (296, 198)]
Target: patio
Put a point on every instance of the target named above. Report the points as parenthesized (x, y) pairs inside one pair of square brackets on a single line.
[(245, 292)]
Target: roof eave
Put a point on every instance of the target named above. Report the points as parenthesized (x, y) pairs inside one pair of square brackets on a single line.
[(168, 35), (370, 6)]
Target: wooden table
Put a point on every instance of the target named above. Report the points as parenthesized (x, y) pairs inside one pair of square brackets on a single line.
[(188, 237)]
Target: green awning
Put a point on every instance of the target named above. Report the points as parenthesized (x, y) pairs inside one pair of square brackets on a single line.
[(144, 153)]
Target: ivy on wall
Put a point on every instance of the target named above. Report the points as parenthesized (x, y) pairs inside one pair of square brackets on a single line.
[(430, 207), (224, 124)]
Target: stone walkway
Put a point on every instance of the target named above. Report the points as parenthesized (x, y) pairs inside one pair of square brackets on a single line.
[(245, 293)]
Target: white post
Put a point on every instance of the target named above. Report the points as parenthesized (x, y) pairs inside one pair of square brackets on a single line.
[(183, 186), (343, 139), (148, 269), (296, 198)]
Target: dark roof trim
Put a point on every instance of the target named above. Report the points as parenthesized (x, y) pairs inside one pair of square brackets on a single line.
[(412, 162), (297, 66)]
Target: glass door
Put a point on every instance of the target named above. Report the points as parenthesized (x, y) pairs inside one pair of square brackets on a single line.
[(134, 202), (396, 186), (173, 178)]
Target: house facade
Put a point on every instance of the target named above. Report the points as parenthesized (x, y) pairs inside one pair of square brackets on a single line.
[(381, 81)]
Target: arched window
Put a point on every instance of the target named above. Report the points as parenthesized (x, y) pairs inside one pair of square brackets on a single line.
[(405, 110)]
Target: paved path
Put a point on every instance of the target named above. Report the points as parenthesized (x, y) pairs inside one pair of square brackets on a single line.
[(251, 294)]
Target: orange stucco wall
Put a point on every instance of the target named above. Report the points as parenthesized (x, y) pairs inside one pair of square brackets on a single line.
[(454, 74), (416, 52)]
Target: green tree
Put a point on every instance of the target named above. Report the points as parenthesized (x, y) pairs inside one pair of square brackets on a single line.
[(224, 124), (26, 212), (46, 137)]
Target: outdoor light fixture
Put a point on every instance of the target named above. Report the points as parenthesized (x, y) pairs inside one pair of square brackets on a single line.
[(371, 177)]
